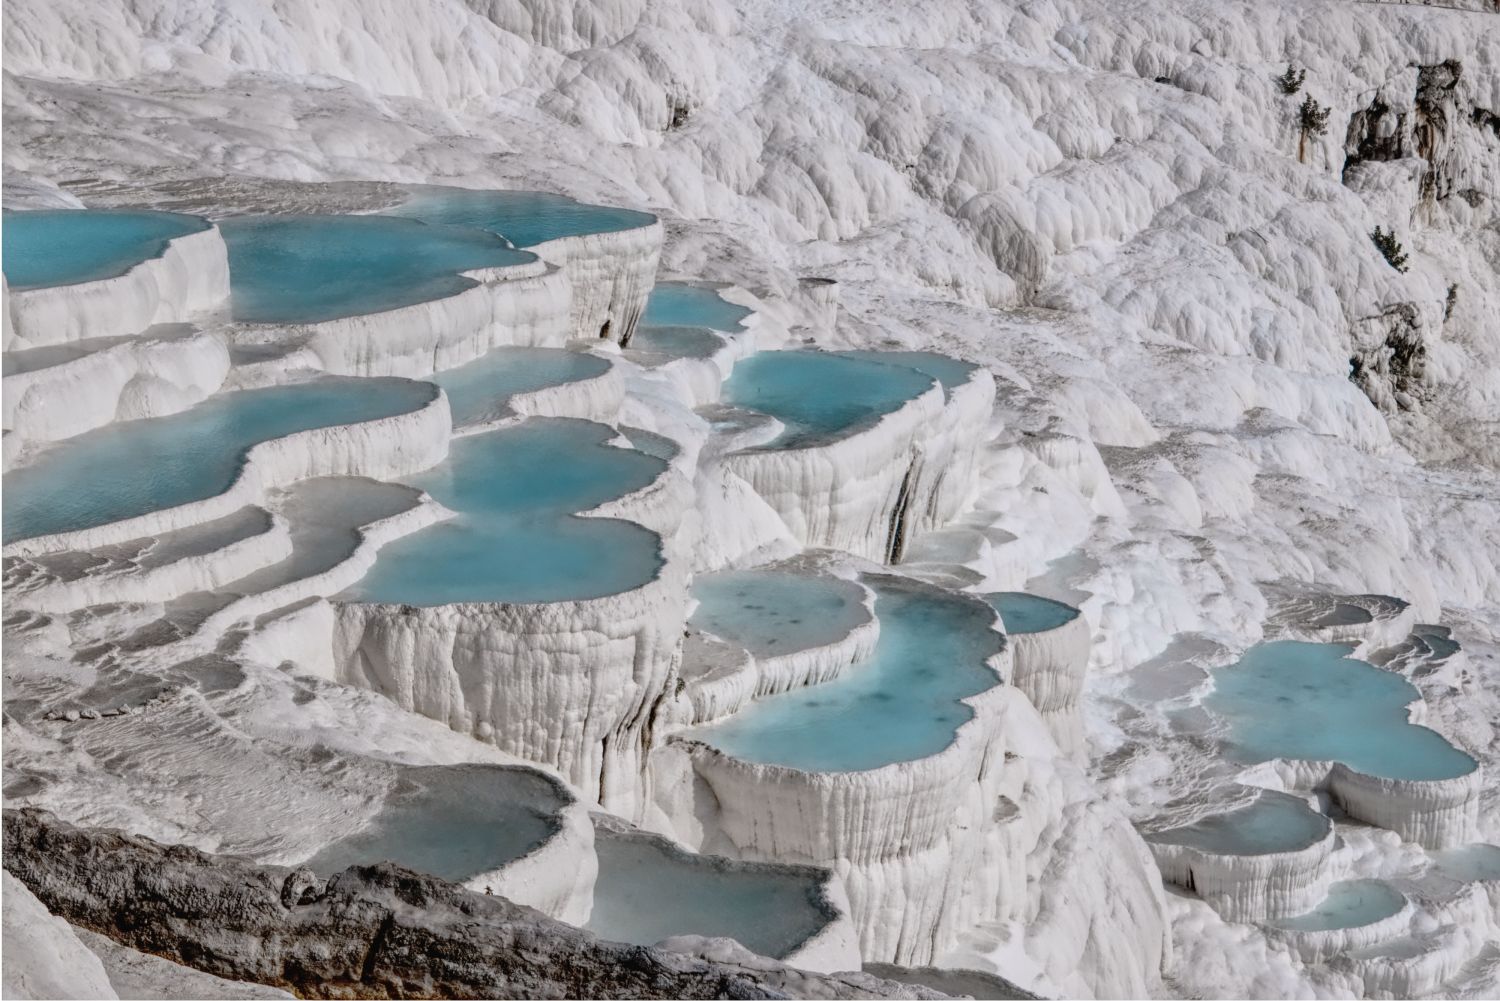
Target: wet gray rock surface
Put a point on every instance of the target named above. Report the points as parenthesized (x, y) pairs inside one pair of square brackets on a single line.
[(370, 932)]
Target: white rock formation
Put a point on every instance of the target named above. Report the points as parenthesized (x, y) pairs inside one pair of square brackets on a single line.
[(44, 958), (868, 491), (160, 372), (190, 277)]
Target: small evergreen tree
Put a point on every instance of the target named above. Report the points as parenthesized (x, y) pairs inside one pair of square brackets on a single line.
[(1389, 248), (1291, 80), (1312, 120)]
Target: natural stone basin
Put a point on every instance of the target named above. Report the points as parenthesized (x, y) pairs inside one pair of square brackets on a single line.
[(771, 613), (1349, 904), (1311, 701), (901, 704), (1030, 613), (129, 469), (649, 890), (683, 304), (311, 268), (480, 391), (819, 396), (516, 537), (1273, 823), (455, 822), (46, 248), (525, 218)]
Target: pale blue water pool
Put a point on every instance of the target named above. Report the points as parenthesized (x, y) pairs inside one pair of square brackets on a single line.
[(129, 469), (817, 395), (682, 304), (1312, 701), (452, 821), (772, 612), (1275, 822), (1029, 613), (648, 891), (1349, 904), (950, 372), (900, 705), (525, 218), (1470, 863), (310, 268), (677, 342), (516, 539), (64, 247), (479, 391)]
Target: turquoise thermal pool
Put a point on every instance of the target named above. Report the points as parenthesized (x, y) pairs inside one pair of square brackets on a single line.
[(1349, 904), (649, 890), (68, 246), (676, 342), (682, 304), (525, 218), (452, 821), (480, 391), (133, 468), (772, 612), (516, 537), (311, 268), (1311, 701), (1029, 613), (1275, 822), (817, 395), (950, 372), (900, 705)]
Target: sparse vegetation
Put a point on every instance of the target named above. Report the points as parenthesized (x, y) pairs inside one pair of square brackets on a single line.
[(1390, 248), (1291, 80), (1312, 121)]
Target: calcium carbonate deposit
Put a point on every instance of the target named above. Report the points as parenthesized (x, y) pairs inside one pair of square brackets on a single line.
[(870, 497)]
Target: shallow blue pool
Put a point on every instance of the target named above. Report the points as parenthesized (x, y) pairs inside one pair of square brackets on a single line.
[(1275, 822), (67, 246), (900, 705), (676, 342), (454, 822), (525, 218), (950, 372), (682, 304), (310, 268), (1470, 863), (124, 470), (1029, 613), (516, 539), (1312, 701), (1349, 904), (818, 395), (647, 892), (772, 612), (479, 391)]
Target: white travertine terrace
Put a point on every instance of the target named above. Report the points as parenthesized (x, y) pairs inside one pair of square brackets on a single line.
[(868, 491), (1278, 883), (1050, 667), (611, 275), (158, 373), (190, 277), (523, 305), (384, 448)]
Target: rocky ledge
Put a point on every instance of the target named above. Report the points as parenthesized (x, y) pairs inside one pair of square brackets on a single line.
[(376, 931)]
